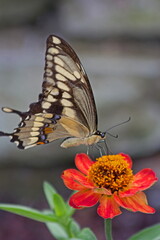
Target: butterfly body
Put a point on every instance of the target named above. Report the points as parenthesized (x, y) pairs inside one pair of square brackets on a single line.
[(65, 108), (90, 140)]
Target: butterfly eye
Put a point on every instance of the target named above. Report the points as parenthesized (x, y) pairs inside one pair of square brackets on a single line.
[(99, 133), (103, 134)]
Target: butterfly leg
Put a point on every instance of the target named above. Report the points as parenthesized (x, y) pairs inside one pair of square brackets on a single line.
[(107, 149), (103, 149), (88, 149), (100, 149)]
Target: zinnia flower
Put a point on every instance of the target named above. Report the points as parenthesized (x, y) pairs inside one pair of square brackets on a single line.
[(110, 181)]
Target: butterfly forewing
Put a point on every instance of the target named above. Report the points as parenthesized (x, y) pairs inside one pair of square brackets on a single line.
[(67, 85), (66, 106)]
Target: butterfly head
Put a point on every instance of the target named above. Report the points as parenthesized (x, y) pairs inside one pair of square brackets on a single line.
[(101, 134)]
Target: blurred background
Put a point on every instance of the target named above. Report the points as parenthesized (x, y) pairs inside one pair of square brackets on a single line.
[(118, 43)]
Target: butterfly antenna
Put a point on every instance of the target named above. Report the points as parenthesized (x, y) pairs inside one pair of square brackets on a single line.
[(119, 124), (110, 134)]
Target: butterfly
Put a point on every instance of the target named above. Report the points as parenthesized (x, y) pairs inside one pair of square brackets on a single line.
[(66, 107)]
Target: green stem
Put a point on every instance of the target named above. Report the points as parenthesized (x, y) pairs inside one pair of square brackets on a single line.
[(108, 229)]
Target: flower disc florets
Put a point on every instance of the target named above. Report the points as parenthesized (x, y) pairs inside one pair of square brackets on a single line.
[(111, 172)]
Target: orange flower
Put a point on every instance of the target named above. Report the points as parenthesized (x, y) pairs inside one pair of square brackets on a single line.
[(110, 181)]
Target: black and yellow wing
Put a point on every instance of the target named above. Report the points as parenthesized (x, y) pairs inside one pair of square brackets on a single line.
[(66, 106)]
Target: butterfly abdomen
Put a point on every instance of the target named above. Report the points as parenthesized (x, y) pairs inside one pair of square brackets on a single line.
[(73, 142)]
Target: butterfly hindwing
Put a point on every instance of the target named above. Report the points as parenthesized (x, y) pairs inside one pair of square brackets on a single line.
[(36, 129)]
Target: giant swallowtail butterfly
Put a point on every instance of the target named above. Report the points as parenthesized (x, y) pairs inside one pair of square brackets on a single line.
[(66, 107)]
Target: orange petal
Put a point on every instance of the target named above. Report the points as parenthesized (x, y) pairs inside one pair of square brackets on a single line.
[(142, 180), (71, 203), (75, 180), (108, 207), (83, 162), (145, 178), (127, 158), (135, 203), (84, 198), (102, 191)]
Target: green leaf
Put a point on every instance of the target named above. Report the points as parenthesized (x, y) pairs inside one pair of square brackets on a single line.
[(74, 228), (59, 205), (28, 212), (73, 239), (49, 193), (57, 231), (86, 234), (70, 210), (149, 233)]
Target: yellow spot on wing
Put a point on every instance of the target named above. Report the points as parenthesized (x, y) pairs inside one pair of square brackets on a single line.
[(38, 124), (50, 80), (49, 64), (56, 40), (53, 50), (34, 134), (62, 86), (8, 110), (66, 103), (69, 112), (57, 60), (65, 73), (55, 91), (48, 72), (50, 98), (39, 119), (31, 140), (66, 95), (60, 77), (46, 105), (48, 115), (34, 129), (77, 74), (49, 57)]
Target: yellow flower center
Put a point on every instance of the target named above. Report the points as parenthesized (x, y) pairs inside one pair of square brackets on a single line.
[(111, 172)]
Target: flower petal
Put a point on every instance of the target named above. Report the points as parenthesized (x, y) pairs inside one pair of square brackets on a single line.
[(83, 162), (75, 180), (73, 205), (145, 178), (108, 207), (142, 180), (103, 191), (127, 158), (84, 198), (138, 202)]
